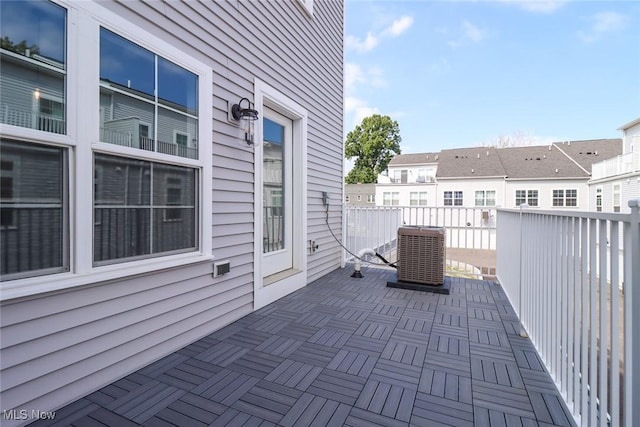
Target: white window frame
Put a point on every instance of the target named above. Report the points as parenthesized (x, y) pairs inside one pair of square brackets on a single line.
[(616, 197), (564, 198), (484, 198), (599, 199), (371, 198), (15, 161), (82, 141), (175, 137), (418, 198), (392, 197)]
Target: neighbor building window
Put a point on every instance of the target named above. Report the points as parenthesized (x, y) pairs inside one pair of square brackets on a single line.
[(616, 197), (599, 199), (418, 198), (485, 198), (565, 198), (371, 198), (453, 198), (529, 197), (34, 65), (391, 198)]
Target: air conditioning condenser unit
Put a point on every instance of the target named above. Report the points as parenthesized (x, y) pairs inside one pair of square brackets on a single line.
[(421, 255)]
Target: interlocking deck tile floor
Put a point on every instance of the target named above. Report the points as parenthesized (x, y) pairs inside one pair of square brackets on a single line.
[(345, 351)]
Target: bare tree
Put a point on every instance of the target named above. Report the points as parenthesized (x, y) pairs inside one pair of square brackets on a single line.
[(520, 138)]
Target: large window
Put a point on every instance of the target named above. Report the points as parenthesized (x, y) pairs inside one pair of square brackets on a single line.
[(529, 197), (565, 198), (140, 110), (34, 65), (391, 198), (76, 200), (453, 198), (485, 198), (33, 209), (418, 198)]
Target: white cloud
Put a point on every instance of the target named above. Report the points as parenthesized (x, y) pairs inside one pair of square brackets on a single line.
[(472, 32), (397, 28), (603, 23), (370, 42), (355, 76), (357, 109)]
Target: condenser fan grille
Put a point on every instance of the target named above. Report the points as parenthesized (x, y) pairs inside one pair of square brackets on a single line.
[(421, 255)]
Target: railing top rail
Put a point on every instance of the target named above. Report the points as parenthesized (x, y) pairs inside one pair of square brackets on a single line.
[(611, 216)]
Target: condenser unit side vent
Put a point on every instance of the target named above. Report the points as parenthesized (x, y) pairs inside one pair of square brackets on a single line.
[(421, 255)]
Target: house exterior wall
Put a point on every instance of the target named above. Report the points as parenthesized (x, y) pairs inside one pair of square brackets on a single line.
[(60, 344), (545, 192), (618, 175)]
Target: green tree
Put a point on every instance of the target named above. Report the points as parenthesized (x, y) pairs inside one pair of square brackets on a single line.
[(373, 143)]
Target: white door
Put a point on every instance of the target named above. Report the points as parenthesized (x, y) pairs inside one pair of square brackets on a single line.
[(277, 193)]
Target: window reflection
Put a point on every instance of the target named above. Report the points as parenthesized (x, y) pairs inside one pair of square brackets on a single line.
[(142, 208), (33, 57), (32, 209), (131, 115)]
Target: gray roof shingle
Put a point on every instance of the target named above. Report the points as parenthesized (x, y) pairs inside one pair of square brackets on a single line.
[(414, 159), (470, 162)]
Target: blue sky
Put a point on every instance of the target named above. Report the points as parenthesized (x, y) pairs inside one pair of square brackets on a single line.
[(463, 73)]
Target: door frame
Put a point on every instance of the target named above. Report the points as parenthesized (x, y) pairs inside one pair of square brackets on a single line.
[(296, 278)]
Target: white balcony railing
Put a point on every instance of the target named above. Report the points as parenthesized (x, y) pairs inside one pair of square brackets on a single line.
[(470, 233), (574, 280), (32, 120), (619, 165)]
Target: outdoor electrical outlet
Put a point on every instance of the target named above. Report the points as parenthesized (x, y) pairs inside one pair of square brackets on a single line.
[(220, 268), (325, 198)]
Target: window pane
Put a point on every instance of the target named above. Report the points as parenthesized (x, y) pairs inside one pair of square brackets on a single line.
[(125, 120), (170, 125), (32, 209), (126, 65), (131, 220), (32, 81), (177, 87), (174, 208)]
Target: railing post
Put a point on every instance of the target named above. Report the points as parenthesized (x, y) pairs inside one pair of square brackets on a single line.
[(632, 320), (523, 332)]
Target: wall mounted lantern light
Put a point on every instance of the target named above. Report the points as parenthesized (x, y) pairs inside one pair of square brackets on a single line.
[(247, 116)]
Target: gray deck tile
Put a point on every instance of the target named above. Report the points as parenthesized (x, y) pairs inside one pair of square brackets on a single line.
[(337, 386), (354, 363), (396, 373), (458, 365), (345, 351), (235, 418), (314, 354), (268, 401), (330, 338), (257, 364), (226, 386), (294, 374), (362, 418), (316, 411), (279, 346), (407, 353), (298, 331)]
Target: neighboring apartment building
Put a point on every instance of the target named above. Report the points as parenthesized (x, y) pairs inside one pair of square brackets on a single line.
[(360, 194), (408, 181), (126, 178), (547, 177), (617, 180)]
